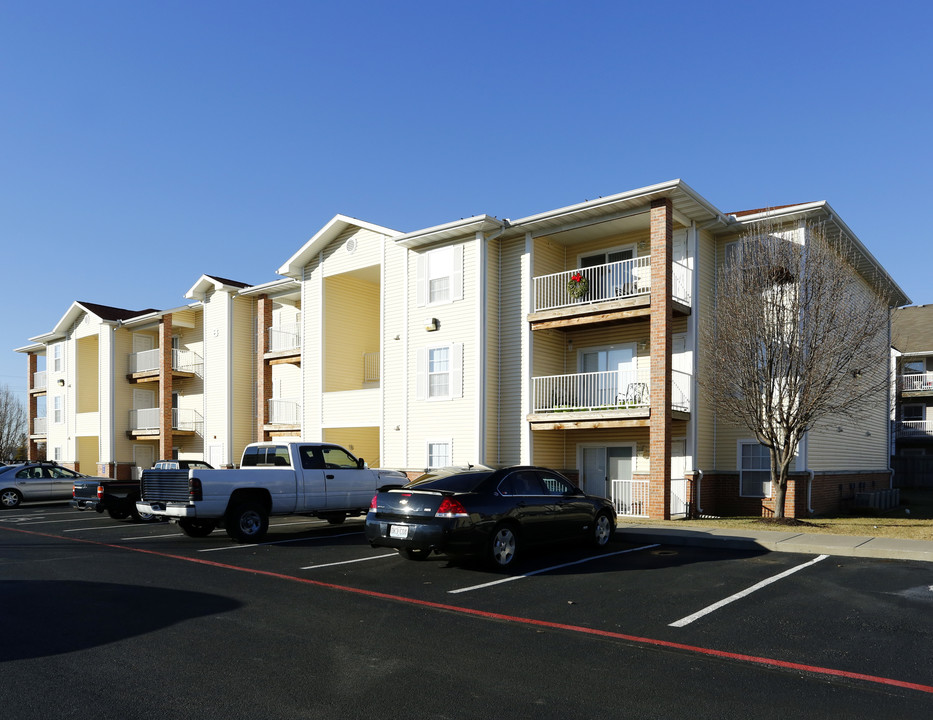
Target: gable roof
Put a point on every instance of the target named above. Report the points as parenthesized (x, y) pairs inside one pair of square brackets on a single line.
[(336, 226), (206, 283), (104, 313)]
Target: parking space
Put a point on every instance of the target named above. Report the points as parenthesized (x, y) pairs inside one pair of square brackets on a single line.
[(751, 603)]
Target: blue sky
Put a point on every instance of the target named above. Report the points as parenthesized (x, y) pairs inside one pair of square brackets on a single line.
[(145, 143)]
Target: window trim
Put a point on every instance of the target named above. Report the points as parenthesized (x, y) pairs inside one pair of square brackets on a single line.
[(769, 490), (454, 372), (448, 441), (424, 277)]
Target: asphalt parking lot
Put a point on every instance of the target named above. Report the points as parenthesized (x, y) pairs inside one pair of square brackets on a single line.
[(849, 620)]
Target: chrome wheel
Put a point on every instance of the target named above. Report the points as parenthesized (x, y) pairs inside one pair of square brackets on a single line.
[(503, 547), (10, 498), (603, 530)]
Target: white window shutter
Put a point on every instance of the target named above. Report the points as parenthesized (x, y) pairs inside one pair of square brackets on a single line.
[(421, 374), (456, 275), (421, 282), (456, 370)]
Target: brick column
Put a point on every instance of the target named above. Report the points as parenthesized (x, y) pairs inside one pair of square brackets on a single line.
[(263, 369), (32, 448), (165, 388), (662, 234)]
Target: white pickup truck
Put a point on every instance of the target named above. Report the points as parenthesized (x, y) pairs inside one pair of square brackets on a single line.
[(274, 478)]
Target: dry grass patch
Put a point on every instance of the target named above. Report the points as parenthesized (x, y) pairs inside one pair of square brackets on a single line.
[(912, 520)]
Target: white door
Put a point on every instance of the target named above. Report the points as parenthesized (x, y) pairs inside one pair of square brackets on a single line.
[(595, 478), (215, 455), (603, 390), (143, 459), (679, 497)]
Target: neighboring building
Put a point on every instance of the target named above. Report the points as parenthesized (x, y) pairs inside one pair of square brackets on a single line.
[(912, 420), (567, 339)]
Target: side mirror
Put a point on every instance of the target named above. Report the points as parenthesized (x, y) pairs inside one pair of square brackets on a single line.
[(361, 464)]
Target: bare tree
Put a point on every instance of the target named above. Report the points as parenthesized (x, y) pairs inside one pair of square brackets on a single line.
[(12, 424), (797, 337)]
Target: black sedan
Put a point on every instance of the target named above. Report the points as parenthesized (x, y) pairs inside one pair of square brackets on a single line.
[(491, 513)]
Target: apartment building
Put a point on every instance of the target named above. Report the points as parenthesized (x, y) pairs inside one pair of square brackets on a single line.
[(912, 418), (568, 339)]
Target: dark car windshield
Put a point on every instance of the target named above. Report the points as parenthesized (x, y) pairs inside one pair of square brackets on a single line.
[(450, 481)]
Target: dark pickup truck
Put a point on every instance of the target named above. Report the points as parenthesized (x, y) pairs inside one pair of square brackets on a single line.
[(118, 497)]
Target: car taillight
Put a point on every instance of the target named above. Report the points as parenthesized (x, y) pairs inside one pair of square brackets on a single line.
[(100, 492), (451, 508), (372, 505), (194, 489), (73, 489)]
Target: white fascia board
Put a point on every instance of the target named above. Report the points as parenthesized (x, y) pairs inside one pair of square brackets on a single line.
[(37, 347), (465, 228), (335, 226), (272, 288)]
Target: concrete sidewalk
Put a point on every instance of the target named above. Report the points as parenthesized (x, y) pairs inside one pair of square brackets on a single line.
[(779, 541)]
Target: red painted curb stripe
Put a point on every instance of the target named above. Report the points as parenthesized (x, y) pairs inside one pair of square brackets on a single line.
[(753, 659)]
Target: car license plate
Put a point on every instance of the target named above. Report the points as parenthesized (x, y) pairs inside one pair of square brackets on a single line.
[(398, 531)]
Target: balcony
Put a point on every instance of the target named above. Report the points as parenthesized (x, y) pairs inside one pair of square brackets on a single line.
[(284, 412), (606, 395), (145, 365), (914, 429), (616, 290), (146, 422), (916, 383), (40, 382), (284, 343), (40, 426)]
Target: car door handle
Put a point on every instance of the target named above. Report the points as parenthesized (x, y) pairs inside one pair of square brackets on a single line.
[(329, 477)]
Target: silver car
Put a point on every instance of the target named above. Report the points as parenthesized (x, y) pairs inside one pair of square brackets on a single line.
[(35, 481)]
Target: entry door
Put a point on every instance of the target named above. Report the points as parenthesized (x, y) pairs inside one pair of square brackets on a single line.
[(679, 497), (625, 494), (595, 477), (608, 389), (143, 458)]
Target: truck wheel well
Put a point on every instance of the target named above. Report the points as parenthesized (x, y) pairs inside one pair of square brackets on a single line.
[(256, 495)]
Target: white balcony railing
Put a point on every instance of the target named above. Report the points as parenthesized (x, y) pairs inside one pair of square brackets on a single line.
[(914, 429), (39, 426), (919, 381), (371, 367), (285, 337), (284, 412), (607, 390), (630, 497), (182, 360), (184, 419), (39, 380), (681, 284), (611, 281)]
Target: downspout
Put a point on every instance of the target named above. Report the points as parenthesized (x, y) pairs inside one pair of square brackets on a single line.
[(698, 485), (810, 493)]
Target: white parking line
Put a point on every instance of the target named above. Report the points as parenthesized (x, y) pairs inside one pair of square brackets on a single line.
[(348, 562), (548, 569), (49, 522), (277, 542), (154, 537), (764, 583)]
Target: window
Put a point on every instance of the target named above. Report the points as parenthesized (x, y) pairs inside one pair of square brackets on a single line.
[(439, 453), (754, 470), (276, 455), (912, 412), (57, 357), (57, 454), (336, 458), (523, 482), (731, 253), (440, 275), (914, 367), (440, 372), (58, 405)]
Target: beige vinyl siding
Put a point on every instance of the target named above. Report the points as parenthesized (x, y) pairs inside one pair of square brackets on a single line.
[(216, 372), (355, 248), (243, 347), (491, 320), (312, 339), (87, 374), (560, 448), (512, 333), (351, 329), (455, 418), (395, 340), (704, 305), (122, 395), (363, 442)]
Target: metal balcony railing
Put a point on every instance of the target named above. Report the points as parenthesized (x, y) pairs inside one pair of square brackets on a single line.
[(285, 337), (40, 426), (184, 419), (606, 390), (182, 360), (914, 429), (600, 283), (284, 412), (371, 367), (919, 381), (40, 380)]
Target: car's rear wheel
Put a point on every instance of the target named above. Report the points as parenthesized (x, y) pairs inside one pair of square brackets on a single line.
[(247, 522), (197, 528), (118, 514), (334, 518), (414, 554), (142, 517), (602, 529), (10, 498), (503, 546)]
